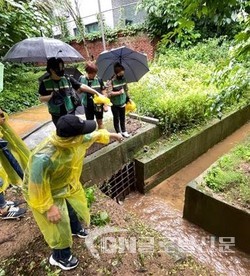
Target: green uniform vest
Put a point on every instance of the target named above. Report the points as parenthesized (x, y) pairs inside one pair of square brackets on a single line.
[(119, 100), (63, 96), (95, 84)]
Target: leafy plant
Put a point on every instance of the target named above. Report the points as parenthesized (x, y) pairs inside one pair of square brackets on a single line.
[(230, 175), (100, 218), (90, 195), (19, 20)]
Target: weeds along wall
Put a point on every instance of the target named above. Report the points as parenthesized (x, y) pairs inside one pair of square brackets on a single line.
[(141, 43)]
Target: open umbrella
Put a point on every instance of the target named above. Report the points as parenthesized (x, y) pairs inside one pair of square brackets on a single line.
[(135, 63), (40, 49)]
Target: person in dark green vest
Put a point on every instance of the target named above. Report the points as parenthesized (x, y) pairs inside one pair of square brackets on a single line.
[(57, 90), (93, 110), (118, 93)]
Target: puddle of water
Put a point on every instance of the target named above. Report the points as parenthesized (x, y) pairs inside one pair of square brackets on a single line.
[(188, 237), (162, 208)]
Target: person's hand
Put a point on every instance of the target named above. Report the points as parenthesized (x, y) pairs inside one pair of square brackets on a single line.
[(117, 136), (105, 108), (54, 214), (121, 91)]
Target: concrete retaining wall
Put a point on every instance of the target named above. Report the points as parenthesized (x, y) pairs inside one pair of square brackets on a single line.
[(154, 169), (102, 164), (217, 217)]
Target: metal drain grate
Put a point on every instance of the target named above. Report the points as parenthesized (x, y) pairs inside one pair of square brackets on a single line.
[(121, 183)]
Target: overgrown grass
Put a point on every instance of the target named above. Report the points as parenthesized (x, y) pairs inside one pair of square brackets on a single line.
[(20, 87), (177, 90), (231, 175)]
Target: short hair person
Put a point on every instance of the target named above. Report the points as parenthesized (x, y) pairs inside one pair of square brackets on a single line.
[(56, 90), (118, 93), (91, 79), (52, 183)]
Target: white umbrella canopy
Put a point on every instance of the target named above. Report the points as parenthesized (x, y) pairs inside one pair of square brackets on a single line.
[(40, 49), (135, 63)]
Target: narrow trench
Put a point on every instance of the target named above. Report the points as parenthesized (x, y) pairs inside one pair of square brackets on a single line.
[(162, 209)]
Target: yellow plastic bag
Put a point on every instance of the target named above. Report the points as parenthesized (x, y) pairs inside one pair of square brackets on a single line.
[(130, 107), (102, 100)]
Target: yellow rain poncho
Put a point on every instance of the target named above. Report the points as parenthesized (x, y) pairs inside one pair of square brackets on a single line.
[(20, 151), (52, 176)]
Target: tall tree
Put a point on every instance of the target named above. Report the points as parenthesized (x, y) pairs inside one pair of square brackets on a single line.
[(73, 9), (19, 20)]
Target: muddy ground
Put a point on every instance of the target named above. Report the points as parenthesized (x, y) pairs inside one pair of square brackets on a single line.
[(24, 252)]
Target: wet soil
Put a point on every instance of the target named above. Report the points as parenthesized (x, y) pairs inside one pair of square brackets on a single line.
[(24, 251)]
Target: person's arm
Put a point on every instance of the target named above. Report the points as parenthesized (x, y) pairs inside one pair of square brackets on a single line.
[(39, 194), (101, 136), (44, 95), (83, 88), (125, 87), (86, 88), (45, 99), (117, 136)]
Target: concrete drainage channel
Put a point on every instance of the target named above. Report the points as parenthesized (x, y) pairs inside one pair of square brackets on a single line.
[(125, 170), (119, 169), (154, 166)]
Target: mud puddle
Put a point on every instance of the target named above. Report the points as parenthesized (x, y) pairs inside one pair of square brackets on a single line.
[(162, 208)]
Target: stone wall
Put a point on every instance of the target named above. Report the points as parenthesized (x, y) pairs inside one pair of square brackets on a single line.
[(141, 43)]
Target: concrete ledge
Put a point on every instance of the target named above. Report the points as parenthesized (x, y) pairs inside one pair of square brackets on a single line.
[(144, 118), (102, 164), (217, 217), (154, 168)]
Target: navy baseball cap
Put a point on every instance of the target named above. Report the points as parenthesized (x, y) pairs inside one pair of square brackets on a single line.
[(71, 125)]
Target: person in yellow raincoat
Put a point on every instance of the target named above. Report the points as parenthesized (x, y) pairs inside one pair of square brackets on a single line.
[(20, 152), (52, 184)]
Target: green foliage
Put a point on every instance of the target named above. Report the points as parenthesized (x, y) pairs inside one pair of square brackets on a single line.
[(183, 23), (232, 77), (19, 20), (20, 87), (113, 34), (100, 218), (231, 174), (177, 88), (90, 195)]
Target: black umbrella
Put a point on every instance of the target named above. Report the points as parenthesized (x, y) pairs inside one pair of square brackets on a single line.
[(135, 63), (10, 157), (40, 49)]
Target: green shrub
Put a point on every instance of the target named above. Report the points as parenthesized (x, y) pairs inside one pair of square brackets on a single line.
[(20, 87), (178, 89), (231, 175)]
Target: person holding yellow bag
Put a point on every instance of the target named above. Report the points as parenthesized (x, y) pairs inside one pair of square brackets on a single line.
[(14, 156), (93, 108), (52, 185)]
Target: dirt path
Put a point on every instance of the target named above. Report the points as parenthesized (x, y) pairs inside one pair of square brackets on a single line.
[(172, 190)]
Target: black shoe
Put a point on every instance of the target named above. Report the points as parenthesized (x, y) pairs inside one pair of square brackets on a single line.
[(65, 264), (81, 234)]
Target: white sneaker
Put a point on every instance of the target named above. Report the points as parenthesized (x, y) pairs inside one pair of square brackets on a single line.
[(125, 134)]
